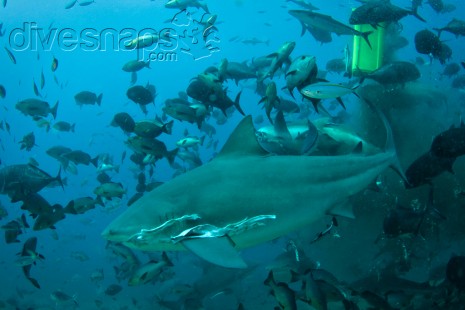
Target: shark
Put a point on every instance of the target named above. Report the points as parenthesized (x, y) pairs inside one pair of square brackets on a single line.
[(245, 197)]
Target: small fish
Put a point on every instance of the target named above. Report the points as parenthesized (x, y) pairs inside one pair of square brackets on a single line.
[(70, 4), (10, 54), (64, 126), (2, 91), (4, 3), (36, 89), (86, 2), (190, 142), (54, 66), (42, 80), (31, 258), (59, 297), (325, 232), (113, 289)]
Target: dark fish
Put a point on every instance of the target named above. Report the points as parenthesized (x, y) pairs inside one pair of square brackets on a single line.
[(4, 3), (12, 231), (110, 190), (455, 26), (87, 97), (459, 81), (28, 142), (455, 271), (207, 89), (10, 55), (152, 128), (426, 167), (239, 71), (29, 246), (64, 126), (57, 152), (451, 69), (42, 80), (2, 91), (450, 143), (402, 220), (124, 121), (49, 219), (30, 257), (36, 90), (185, 111), (282, 293), (436, 5), (62, 298), (86, 2), (113, 289), (103, 178), (152, 147), (54, 65), (428, 43), (36, 204), (36, 108), (3, 212), (19, 181), (398, 72), (141, 95), (135, 65), (336, 65), (377, 12), (81, 157), (81, 205)]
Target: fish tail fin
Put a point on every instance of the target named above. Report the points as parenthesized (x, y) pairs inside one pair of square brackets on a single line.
[(34, 282), (439, 31), (171, 155), (168, 127), (365, 36), (54, 111), (389, 146), (73, 127), (99, 99), (99, 201), (75, 299), (166, 259), (269, 279), (94, 161), (414, 12), (59, 179), (205, 7), (236, 103), (147, 65)]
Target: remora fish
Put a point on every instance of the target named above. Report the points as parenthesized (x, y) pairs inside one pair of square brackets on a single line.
[(326, 23), (214, 226)]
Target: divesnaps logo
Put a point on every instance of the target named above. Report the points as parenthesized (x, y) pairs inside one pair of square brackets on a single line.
[(189, 33)]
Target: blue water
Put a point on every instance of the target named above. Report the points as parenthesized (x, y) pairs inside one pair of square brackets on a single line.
[(100, 71)]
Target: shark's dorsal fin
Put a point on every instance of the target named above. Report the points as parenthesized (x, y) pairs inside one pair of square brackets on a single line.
[(280, 126), (242, 141)]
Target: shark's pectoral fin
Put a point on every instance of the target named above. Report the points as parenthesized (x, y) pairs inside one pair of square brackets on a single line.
[(218, 250), (343, 209)]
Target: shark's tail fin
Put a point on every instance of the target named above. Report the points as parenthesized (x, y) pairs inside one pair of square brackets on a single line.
[(389, 146)]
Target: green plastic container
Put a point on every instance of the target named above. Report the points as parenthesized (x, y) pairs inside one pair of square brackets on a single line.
[(366, 59)]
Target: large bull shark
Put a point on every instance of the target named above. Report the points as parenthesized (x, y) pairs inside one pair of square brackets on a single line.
[(245, 197)]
